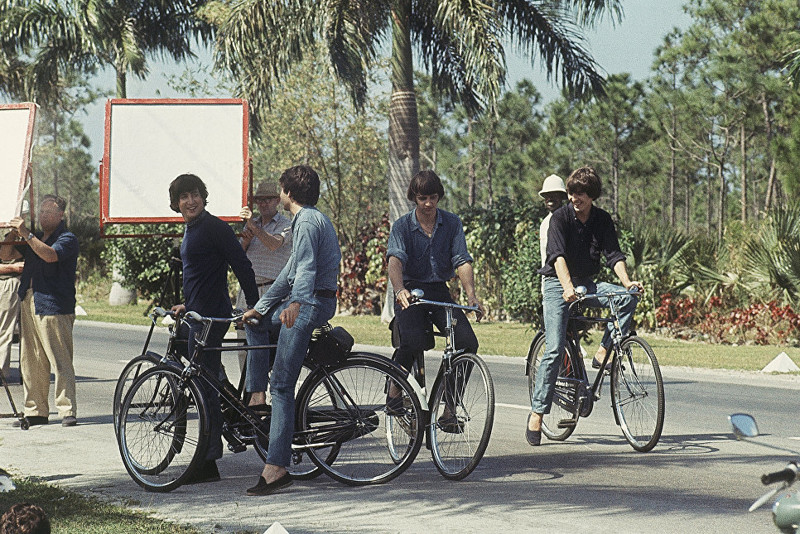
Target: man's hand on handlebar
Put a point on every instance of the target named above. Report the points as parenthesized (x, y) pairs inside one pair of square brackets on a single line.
[(634, 284), (250, 315), (403, 297), (473, 301), (569, 294), (178, 310)]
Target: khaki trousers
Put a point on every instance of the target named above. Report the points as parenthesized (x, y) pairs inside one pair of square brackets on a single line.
[(46, 343), (9, 311)]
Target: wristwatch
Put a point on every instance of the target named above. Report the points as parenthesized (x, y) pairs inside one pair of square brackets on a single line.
[(30, 236)]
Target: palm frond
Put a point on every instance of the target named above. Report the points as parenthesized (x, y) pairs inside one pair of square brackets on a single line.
[(553, 28)]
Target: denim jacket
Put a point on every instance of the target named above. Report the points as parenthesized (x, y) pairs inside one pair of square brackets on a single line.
[(313, 265)]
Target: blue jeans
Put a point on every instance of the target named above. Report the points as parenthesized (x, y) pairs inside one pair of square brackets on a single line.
[(290, 353), (556, 315)]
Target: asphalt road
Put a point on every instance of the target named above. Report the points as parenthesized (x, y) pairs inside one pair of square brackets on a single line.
[(697, 479)]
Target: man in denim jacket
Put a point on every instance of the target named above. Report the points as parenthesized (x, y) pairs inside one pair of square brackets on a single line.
[(302, 298)]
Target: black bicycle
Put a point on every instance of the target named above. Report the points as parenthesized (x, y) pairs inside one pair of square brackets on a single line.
[(341, 416), (459, 413), (637, 389)]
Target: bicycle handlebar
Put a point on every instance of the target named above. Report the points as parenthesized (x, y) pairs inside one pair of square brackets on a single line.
[(580, 291), (194, 316), (787, 474), (417, 298)]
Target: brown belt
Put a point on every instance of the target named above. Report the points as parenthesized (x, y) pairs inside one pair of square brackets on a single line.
[(267, 283), (325, 293)]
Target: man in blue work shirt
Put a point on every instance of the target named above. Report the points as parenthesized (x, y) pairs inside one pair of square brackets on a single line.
[(209, 246), (302, 298), (426, 248)]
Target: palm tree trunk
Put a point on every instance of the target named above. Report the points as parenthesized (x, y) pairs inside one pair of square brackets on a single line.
[(403, 120), (403, 126)]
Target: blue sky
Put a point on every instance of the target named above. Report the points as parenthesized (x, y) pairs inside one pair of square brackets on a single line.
[(625, 47)]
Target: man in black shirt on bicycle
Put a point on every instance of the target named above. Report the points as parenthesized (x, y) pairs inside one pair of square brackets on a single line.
[(578, 235)]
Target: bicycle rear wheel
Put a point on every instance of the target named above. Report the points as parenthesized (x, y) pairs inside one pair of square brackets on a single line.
[(344, 408), (462, 414), (637, 394), (563, 407), (162, 431)]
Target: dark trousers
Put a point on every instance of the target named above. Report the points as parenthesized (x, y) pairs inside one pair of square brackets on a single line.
[(211, 361), (413, 325)]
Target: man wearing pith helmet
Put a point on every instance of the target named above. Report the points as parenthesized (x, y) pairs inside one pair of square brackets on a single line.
[(554, 193)]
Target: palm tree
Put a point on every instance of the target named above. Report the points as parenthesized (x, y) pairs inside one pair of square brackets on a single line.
[(460, 44), (82, 35)]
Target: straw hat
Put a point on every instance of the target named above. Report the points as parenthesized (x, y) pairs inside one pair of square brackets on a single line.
[(266, 190), (553, 184)]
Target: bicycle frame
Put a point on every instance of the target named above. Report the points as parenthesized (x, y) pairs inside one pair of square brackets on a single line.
[(418, 380), (573, 338)]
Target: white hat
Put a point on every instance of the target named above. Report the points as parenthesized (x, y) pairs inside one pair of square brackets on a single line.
[(553, 184)]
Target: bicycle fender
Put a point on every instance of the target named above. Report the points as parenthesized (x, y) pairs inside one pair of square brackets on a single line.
[(162, 360), (538, 335)]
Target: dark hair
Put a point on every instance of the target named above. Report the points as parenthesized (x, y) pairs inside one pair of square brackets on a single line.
[(302, 183), (59, 202), (585, 180), (24, 518), (425, 183), (185, 183)]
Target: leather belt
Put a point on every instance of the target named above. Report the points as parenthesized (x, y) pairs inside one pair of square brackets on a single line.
[(325, 293), (267, 283)]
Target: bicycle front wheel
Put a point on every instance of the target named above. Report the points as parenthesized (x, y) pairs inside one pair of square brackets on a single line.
[(344, 409), (462, 414), (162, 431), (563, 407), (132, 370), (637, 394)]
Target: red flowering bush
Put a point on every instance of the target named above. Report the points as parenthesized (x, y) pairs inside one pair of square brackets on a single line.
[(677, 311), (759, 324)]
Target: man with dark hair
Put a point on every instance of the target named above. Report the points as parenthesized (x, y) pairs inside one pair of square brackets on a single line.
[(427, 246), (209, 246), (302, 298), (47, 311), (24, 518), (578, 235)]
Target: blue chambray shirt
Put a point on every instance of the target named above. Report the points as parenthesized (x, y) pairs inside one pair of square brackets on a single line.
[(313, 265), (429, 259), (53, 283)]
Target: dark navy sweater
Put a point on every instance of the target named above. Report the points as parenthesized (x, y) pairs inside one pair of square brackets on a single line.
[(209, 246)]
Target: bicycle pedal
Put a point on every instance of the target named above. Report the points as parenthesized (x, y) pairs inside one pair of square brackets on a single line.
[(237, 447), (567, 423)]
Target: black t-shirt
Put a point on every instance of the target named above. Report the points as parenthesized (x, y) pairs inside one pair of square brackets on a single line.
[(581, 244)]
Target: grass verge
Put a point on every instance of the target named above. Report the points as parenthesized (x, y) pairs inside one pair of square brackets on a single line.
[(72, 513), (513, 339)]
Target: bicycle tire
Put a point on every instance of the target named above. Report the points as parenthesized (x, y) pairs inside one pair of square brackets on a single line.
[(301, 467), (462, 415), (637, 394), (345, 406), (163, 429), (563, 406)]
